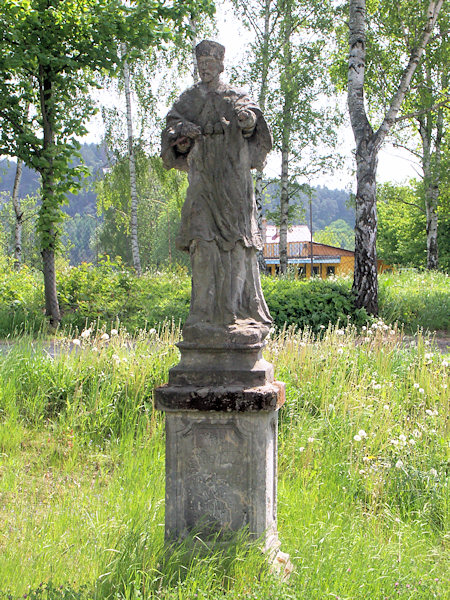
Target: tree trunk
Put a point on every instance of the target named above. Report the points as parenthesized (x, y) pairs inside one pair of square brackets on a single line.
[(262, 104), (284, 209), (368, 144), (132, 163), (431, 186), (49, 203), (19, 217), (285, 135), (365, 282)]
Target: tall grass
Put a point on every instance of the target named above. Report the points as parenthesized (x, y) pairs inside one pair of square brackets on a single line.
[(419, 299), (363, 493)]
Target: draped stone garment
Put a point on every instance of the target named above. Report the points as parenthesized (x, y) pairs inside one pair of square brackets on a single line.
[(218, 219)]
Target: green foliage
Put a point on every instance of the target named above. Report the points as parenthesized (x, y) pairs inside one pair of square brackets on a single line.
[(21, 299), (311, 304), (338, 233), (362, 497), (160, 197), (401, 237), (110, 294)]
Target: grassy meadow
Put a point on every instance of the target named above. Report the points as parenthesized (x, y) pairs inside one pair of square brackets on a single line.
[(363, 493)]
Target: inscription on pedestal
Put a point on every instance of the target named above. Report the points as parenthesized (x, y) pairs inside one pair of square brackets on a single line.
[(210, 497), (220, 472)]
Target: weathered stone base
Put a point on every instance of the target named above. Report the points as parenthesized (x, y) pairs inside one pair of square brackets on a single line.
[(221, 473)]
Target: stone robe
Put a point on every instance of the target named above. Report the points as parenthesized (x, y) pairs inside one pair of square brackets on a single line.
[(218, 220)]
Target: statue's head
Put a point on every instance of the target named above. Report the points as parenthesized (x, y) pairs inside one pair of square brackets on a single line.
[(210, 57)]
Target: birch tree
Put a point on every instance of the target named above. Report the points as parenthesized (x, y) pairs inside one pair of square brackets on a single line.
[(369, 141), (426, 111), (132, 166), (18, 212)]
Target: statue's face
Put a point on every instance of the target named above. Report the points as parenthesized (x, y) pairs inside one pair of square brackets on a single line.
[(209, 68)]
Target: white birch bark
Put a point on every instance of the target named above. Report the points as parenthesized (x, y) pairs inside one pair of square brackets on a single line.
[(368, 143), (285, 139), (19, 216), (132, 163), (262, 104), (431, 184)]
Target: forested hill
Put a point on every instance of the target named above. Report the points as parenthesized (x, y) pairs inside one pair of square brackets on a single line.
[(328, 205), (95, 159)]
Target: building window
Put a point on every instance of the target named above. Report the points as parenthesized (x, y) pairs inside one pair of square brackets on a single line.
[(315, 271), (331, 271), (301, 272)]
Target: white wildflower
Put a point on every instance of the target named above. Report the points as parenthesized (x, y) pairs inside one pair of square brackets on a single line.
[(331, 407), (114, 332), (301, 449), (428, 355), (376, 386), (86, 333), (426, 342), (104, 337), (386, 407), (363, 328), (362, 433), (357, 438), (399, 464), (152, 331), (412, 442), (394, 442), (433, 472), (76, 342), (402, 437), (421, 391), (340, 351), (310, 440), (444, 363), (340, 332), (417, 386), (417, 433)]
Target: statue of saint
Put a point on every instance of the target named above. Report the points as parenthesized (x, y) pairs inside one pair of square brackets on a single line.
[(217, 134)]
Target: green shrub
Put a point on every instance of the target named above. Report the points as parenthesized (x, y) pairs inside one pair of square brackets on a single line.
[(21, 299), (312, 303)]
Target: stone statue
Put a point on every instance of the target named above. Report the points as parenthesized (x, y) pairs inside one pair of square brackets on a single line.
[(217, 134)]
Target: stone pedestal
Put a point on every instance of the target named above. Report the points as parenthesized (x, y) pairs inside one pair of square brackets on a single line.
[(221, 406)]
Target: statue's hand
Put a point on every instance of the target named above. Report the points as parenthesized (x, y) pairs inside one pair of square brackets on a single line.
[(246, 121), (190, 130), (183, 144)]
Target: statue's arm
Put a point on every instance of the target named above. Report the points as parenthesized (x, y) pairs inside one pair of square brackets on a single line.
[(255, 129), (177, 140)]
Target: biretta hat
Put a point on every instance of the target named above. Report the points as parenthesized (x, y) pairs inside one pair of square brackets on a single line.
[(210, 48)]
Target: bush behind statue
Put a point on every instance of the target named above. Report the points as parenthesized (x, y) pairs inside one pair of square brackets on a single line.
[(110, 293)]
